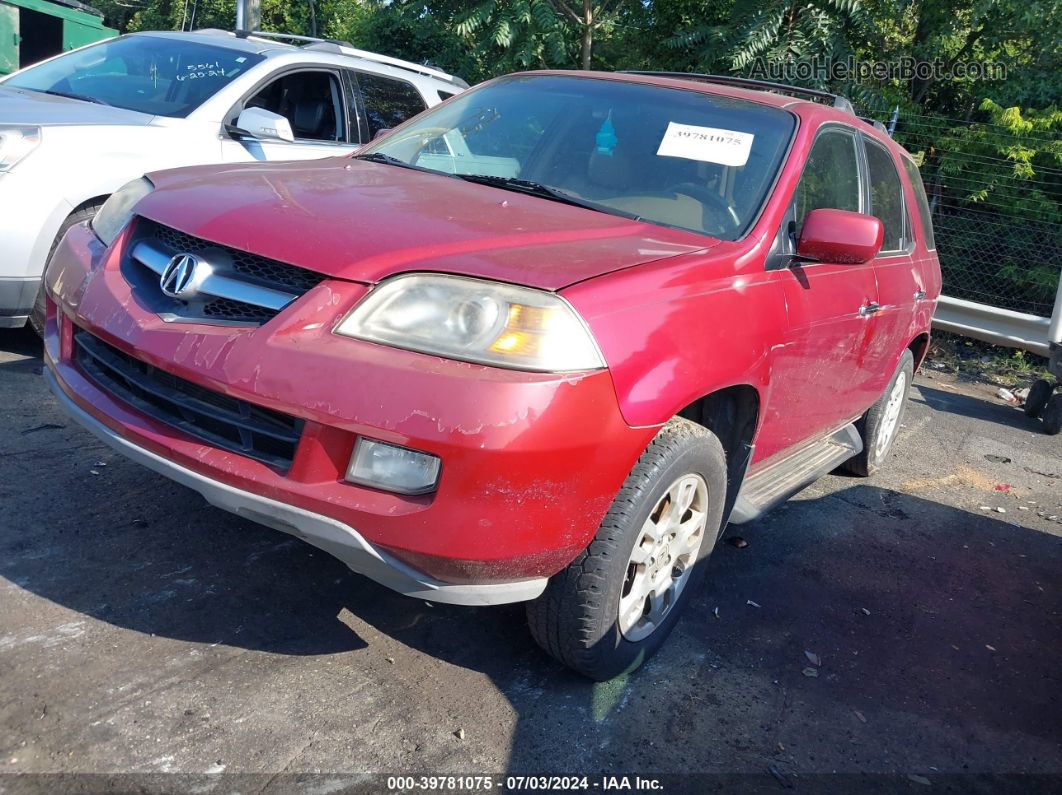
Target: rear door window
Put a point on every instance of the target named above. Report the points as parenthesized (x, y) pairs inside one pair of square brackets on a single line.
[(886, 196), (922, 202), (388, 102), (831, 176)]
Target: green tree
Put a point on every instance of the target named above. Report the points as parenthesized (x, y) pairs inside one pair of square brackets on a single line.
[(590, 19), (1021, 36), (774, 30), (1017, 157), (522, 34)]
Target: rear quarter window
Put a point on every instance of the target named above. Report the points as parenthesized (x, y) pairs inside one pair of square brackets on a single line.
[(921, 200)]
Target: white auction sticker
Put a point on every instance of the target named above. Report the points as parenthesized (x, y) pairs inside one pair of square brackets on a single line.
[(708, 144)]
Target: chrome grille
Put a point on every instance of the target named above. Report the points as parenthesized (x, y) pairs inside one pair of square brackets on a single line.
[(241, 288), (268, 271), (237, 311)]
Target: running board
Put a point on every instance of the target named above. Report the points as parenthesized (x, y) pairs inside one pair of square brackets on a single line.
[(767, 488)]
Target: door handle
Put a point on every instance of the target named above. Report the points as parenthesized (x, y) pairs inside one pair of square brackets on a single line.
[(869, 308), (919, 295)]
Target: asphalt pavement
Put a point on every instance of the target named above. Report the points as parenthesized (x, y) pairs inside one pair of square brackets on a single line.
[(908, 624)]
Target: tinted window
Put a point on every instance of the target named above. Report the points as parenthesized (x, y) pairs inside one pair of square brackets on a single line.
[(886, 195), (156, 75), (670, 156), (388, 102), (310, 101), (831, 176), (923, 202)]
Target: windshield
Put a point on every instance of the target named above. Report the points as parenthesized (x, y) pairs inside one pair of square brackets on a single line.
[(670, 156), (156, 75)]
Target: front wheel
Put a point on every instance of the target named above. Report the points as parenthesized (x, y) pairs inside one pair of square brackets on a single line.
[(616, 603)]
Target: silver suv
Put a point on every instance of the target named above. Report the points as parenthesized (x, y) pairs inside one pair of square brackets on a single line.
[(75, 128)]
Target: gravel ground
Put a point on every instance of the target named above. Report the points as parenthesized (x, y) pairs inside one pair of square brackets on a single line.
[(144, 632)]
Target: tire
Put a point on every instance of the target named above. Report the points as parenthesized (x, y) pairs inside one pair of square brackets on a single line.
[(84, 213), (577, 618), (880, 426), (1039, 394), (1052, 415)]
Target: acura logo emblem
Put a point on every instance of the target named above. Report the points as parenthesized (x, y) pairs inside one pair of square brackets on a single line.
[(179, 277)]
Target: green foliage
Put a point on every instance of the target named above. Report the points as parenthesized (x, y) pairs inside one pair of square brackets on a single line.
[(516, 34), (990, 149), (999, 189), (418, 32), (1017, 158), (773, 30)]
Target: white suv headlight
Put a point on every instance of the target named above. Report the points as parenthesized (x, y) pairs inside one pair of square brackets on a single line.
[(117, 211), (16, 143), (477, 321)]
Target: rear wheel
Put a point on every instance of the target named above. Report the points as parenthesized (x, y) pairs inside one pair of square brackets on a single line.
[(1052, 415), (85, 212), (616, 603), (1039, 394), (880, 426)]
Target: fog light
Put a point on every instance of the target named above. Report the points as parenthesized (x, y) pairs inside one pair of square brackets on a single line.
[(398, 469)]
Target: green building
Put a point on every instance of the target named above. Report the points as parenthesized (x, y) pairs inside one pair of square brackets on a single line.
[(32, 30)]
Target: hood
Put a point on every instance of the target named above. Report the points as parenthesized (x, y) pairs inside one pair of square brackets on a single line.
[(363, 221), (22, 106)]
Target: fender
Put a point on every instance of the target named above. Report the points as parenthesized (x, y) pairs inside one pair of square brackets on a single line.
[(674, 331)]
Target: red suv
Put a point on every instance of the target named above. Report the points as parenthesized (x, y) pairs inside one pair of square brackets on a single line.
[(540, 343)]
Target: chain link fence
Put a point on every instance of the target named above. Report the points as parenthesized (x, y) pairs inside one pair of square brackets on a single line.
[(998, 222)]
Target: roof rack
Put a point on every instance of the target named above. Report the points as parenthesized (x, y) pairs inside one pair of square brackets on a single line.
[(877, 125), (836, 100), (346, 48)]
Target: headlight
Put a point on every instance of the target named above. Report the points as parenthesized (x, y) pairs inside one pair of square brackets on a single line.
[(16, 143), (117, 211), (477, 321)]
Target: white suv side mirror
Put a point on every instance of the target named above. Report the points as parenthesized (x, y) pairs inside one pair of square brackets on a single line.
[(265, 125)]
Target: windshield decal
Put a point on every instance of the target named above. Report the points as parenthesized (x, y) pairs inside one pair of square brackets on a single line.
[(707, 144), (606, 139)]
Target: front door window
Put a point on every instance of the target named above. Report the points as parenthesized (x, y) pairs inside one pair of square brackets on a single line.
[(310, 101)]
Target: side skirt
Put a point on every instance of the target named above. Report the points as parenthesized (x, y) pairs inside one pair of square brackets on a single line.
[(769, 487)]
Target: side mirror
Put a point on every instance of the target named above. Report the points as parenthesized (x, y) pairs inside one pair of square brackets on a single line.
[(265, 125), (839, 237), (382, 132)]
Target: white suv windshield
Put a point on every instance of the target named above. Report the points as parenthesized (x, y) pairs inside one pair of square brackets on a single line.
[(156, 75), (670, 156)]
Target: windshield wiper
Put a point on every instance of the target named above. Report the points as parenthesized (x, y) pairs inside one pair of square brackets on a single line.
[(67, 95), (380, 157), (544, 191), (507, 183)]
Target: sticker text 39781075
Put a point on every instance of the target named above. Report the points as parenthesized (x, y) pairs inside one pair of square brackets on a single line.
[(707, 144)]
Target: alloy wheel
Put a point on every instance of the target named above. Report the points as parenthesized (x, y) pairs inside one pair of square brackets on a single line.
[(890, 419), (663, 557)]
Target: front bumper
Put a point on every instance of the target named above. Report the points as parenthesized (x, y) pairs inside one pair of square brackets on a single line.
[(530, 461), (31, 218), (336, 538), (17, 297)]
